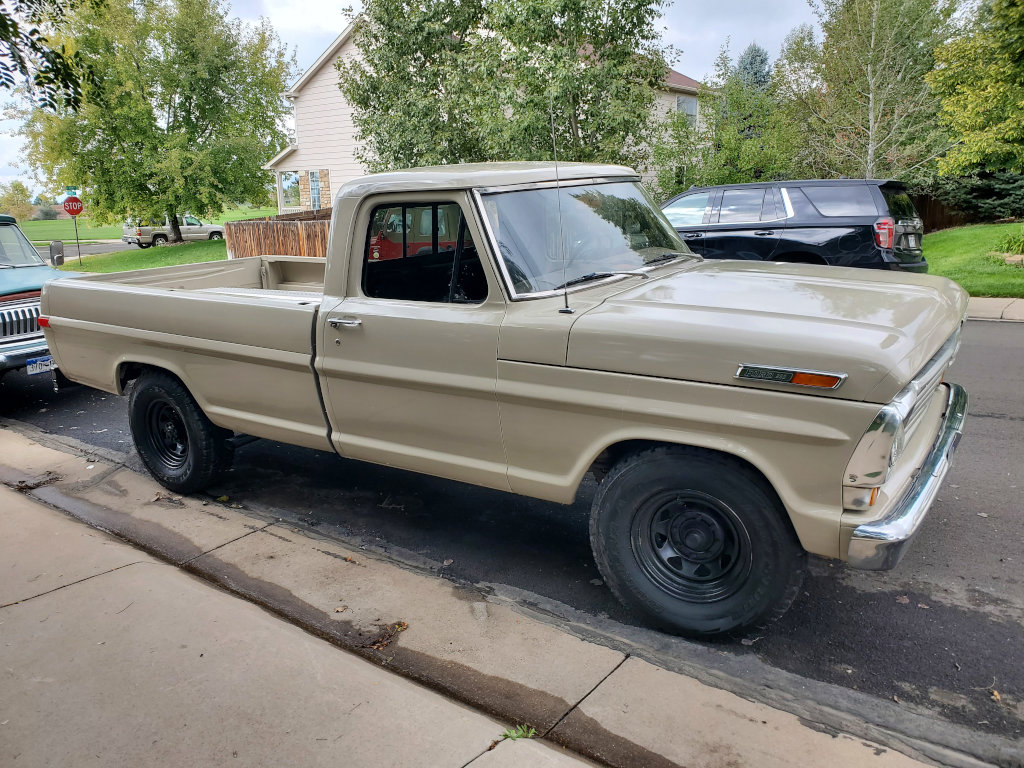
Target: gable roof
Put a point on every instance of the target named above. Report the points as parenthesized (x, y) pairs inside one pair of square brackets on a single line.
[(674, 81)]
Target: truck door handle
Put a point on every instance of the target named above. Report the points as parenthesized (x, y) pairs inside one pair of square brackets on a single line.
[(347, 322), (765, 232), (692, 235)]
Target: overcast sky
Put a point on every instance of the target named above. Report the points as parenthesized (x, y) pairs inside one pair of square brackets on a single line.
[(697, 29)]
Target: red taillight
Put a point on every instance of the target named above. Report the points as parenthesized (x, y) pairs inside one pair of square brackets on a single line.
[(44, 322), (885, 232), (138, 232)]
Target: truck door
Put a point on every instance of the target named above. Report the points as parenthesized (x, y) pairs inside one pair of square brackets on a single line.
[(408, 359)]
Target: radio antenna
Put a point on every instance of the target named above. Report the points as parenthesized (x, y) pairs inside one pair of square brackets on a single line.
[(558, 204)]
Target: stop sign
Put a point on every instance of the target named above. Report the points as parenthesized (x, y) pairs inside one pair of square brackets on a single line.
[(73, 205)]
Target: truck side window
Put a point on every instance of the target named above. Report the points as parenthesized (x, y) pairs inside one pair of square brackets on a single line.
[(422, 252)]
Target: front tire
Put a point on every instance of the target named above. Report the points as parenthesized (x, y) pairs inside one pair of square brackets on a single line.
[(179, 445), (695, 541)]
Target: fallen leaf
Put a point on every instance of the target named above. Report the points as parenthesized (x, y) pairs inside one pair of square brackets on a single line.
[(896, 698), (447, 562), (342, 609), (921, 605), (982, 514), (903, 600), (996, 696), (222, 498)]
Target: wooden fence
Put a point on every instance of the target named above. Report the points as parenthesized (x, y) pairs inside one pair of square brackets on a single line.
[(294, 234)]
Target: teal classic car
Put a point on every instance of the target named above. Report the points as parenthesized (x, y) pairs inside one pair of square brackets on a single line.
[(22, 274)]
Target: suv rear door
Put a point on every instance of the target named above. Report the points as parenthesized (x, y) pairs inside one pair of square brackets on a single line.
[(744, 224)]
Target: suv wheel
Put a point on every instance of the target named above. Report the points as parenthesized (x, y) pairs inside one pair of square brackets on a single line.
[(216, 235), (159, 240)]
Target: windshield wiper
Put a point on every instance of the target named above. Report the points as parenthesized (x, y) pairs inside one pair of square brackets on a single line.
[(597, 276), (665, 257)]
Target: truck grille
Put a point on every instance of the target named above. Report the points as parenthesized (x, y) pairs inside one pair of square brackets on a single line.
[(18, 320)]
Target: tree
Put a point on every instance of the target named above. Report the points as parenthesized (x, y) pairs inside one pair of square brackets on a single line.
[(980, 79), (446, 81), (51, 74), (861, 92), (16, 200), (741, 135), (186, 107), (753, 68)]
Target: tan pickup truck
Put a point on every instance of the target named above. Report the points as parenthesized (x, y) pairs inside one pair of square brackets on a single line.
[(515, 328)]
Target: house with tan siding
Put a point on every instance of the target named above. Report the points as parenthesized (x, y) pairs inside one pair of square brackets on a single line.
[(309, 172)]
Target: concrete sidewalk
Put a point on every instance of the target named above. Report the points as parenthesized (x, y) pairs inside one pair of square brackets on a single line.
[(995, 309), (110, 657), (108, 651)]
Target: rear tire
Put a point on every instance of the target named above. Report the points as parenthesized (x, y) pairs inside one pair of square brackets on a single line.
[(179, 445), (216, 235), (159, 240), (143, 245), (695, 541)]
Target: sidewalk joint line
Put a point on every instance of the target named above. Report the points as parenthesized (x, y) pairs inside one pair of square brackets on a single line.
[(219, 546), (571, 709), (71, 584)]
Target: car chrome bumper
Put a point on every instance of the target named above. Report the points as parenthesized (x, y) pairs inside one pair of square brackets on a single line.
[(878, 546), (18, 355)]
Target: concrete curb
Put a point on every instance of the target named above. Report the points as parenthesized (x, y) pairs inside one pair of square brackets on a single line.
[(486, 649)]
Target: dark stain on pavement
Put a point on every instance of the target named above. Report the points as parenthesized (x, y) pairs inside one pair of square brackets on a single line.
[(588, 737)]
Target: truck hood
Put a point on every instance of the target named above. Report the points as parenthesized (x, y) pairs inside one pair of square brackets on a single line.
[(25, 279), (701, 324)]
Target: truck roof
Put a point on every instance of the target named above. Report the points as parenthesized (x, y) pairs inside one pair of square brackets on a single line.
[(471, 175)]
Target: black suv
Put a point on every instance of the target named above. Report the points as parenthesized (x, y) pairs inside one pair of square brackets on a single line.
[(842, 222)]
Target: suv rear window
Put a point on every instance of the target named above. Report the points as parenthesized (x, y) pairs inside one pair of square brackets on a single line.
[(851, 200), (900, 204)]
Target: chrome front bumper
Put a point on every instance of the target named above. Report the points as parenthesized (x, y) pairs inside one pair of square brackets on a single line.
[(17, 355), (878, 546)]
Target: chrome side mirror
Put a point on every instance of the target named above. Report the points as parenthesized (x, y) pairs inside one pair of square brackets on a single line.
[(56, 253)]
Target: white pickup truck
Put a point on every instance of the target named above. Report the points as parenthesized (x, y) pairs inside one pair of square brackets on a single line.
[(518, 327)]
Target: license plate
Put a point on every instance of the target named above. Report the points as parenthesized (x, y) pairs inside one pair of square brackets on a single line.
[(39, 365)]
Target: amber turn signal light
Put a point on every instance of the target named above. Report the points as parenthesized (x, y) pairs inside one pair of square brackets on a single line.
[(816, 380)]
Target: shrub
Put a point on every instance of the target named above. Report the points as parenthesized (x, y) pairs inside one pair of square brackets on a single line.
[(1011, 243)]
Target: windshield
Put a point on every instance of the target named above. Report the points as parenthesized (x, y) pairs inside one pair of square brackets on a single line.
[(610, 227), (15, 249)]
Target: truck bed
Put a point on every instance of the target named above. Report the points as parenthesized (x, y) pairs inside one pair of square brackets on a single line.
[(238, 333)]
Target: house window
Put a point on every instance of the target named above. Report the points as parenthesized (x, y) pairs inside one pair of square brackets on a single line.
[(688, 106), (290, 189), (314, 190)]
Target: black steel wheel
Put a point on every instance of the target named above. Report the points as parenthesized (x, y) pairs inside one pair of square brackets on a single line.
[(179, 445), (695, 541)]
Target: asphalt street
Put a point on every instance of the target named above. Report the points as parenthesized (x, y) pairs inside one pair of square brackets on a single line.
[(942, 634)]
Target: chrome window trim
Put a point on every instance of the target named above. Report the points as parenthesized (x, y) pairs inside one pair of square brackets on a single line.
[(492, 241), (841, 376), (787, 202), (550, 184)]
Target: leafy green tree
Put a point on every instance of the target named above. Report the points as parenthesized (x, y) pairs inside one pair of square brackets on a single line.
[(445, 81), (741, 135), (50, 73), (753, 68), (860, 93), (186, 107), (16, 200), (980, 79)]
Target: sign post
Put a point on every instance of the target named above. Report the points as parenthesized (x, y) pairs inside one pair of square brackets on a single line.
[(74, 207)]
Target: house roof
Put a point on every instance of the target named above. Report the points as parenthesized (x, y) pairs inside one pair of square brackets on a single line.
[(675, 81), (272, 163), (327, 57)]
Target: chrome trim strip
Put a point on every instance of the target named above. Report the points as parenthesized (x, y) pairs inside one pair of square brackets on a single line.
[(787, 202), (841, 376), (878, 546), (552, 184)]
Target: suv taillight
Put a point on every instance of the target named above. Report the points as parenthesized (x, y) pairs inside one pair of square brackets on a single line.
[(885, 232), (138, 232)]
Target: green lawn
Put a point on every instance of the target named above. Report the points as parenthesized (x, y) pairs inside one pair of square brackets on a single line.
[(137, 258), (964, 254), (64, 229)]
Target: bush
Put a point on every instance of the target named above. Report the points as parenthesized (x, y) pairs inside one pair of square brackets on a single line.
[(1011, 243), (44, 213)]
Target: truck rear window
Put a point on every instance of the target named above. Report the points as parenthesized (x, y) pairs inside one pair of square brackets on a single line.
[(844, 200)]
